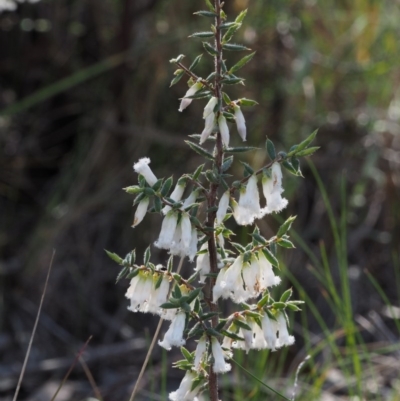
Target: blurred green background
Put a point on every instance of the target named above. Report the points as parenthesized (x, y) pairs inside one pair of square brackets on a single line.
[(84, 93)]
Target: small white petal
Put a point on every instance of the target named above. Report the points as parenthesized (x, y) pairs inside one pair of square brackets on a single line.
[(210, 107), (203, 264), (222, 207), (142, 167), (269, 328), (284, 337), (184, 392), (174, 335), (272, 189), (186, 226), (193, 245), (224, 130), (240, 122), (176, 195), (200, 352), (191, 91), (167, 232), (140, 211), (220, 366), (208, 128)]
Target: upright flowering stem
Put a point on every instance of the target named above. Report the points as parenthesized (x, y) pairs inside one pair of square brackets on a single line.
[(212, 200)]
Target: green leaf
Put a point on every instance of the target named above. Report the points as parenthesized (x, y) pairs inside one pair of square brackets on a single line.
[(270, 149), (210, 6), (157, 204), (270, 257), (304, 144), (247, 168), (186, 354), (114, 257), (308, 151), (285, 227), (293, 307), (243, 325), (260, 239), (279, 305), (122, 273), (226, 25), (202, 152), (285, 243), (133, 274), (207, 34), (239, 247), (170, 305), (147, 255), (177, 78), (230, 32), (177, 293), (241, 63), (289, 166), (231, 81), (234, 336), (195, 62), (159, 281), (192, 295), (286, 295), (227, 100), (208, 316), (204, 13), (234, 47), (241, 16), (166, 186), (210, 49), (133, 190), (240, 149), (227, 163), (247, 102), (198, 171), (263, 301), (149, 191)]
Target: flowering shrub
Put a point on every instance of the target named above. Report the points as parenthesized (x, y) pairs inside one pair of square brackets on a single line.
[(223, 269)]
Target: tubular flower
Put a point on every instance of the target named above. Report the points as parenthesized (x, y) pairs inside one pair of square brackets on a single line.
[(142, 167), (223, 129), (184, 392), (252, 277), (240, 122), (248, 207), (191, 91), (176, 195), (210, 106), (208, 127), (284, 337), (267, 276), (200, 352), (167, 232), (272, 189), (174, 335), (182, 243), (245, 345), (259, 341), (220, 366), (269, 328), (140, 211), (203, 264), (222, 207)]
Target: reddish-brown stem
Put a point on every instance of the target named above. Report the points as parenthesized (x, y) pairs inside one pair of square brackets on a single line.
[(212, 199)]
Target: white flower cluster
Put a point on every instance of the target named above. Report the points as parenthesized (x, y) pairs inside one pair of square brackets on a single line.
[(241, 281), (11, 5), (248, 208), (144, 295), (271, 335), (211, 122), (177, 234)]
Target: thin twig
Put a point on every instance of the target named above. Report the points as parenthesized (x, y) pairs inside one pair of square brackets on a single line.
[(153, 342), (71, 368), (90, 377), (21, 376)]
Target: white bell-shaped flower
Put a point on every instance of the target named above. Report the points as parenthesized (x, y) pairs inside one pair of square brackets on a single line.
[(174, 335), (168, 227), (240, 122), (222, 207), (142, 167), (223, 129), (200, 352), (267, 276), (272, 189), (185, 392), (141, 211), (220, 365), (259, 341), (210, 106), (251, 277), (176, 195), (270, 329), (284, 337), (191, 91), (248, 207), (203, 264), (193, 245), (233, 282), (245, 345), (219, 289), (208, 128)]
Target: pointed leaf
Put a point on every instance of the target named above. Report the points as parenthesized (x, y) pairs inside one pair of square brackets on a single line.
[(270, 257), (202, 152), (241, 63), (114, 257), (195, 62), (234, 47)]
